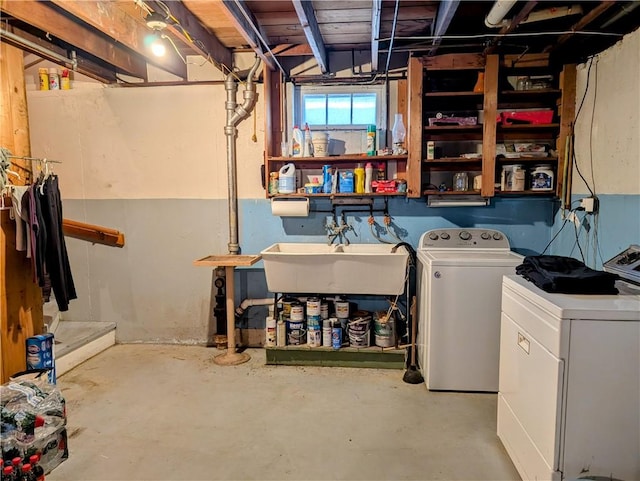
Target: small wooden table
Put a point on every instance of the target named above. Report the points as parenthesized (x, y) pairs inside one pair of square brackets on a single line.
[(229, 262)]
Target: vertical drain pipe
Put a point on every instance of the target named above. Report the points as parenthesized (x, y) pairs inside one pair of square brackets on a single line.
[(235, 113)]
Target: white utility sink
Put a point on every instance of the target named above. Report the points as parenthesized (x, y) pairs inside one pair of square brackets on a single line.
[(335, 269)]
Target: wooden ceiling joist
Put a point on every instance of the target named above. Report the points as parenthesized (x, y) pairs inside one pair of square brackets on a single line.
[(211, 45), (50, 20), (446, 11), (106, 17), (307, 16), (84, 66), (582, 23), (245, 23), (376, 13)]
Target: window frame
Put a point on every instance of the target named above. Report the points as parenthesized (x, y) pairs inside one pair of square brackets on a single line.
[(381, 104)]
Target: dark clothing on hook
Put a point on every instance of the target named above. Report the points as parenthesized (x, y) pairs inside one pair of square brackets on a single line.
[(57, 260)]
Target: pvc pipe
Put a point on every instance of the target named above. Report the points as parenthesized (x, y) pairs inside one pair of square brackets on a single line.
[(495, 17), (252, 302)]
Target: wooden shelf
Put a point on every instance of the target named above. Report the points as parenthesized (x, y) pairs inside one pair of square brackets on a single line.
[(452, 192), (453, 128), (229, 260), (526, 159), (454, 94), (340, 158), (541, 193), (531, 93), (452, 160), (340, 194)]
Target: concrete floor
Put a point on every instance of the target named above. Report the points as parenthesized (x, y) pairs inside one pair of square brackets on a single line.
[(156, 412)]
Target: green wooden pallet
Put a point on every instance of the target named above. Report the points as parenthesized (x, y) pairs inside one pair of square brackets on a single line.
[(370, 357)]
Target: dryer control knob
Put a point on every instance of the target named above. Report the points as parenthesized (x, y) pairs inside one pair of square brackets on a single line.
[(497, 236), (444, 235), (485, 235), (433, 236), (464, 235)]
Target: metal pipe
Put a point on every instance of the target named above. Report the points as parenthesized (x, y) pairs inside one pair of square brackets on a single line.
[(235, 113), (50, 54), (495, 17)]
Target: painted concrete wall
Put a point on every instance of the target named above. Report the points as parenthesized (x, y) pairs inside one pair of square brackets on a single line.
[(607, 145), (151, 162)]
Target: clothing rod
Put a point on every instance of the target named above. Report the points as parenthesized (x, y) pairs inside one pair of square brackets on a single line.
[(35, 158)]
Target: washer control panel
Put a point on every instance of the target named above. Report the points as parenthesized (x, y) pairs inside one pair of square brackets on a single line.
[(464, 238)]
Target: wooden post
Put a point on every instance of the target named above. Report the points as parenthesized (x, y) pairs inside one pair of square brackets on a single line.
[(489, 127), (20, 297), (414, 136)]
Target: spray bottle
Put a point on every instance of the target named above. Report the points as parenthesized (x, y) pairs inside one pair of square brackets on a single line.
[(307, 150), (296, 142)]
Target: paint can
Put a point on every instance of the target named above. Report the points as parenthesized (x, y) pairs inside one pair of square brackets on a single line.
[(286, 309), (296, 333), (384, 328), (281, 334), (336, 334), (314, 337), (324, 310), (297, 312), (359, 332), (342, 309), (270, 335), (326, 331), (313, 306), (314, 322)]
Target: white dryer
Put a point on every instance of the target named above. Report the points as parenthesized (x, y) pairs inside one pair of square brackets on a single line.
[(459, 291)]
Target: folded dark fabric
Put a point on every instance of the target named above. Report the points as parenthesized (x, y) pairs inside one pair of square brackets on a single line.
[(566, 275)]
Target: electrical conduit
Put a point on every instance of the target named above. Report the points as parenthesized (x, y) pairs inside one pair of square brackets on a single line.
[(235, 113)]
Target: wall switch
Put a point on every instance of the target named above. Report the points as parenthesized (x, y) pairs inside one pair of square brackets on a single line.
[(589, 204)]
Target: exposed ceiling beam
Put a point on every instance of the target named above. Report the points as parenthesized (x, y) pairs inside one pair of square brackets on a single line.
[(118, 25), (446, 11), (513, 24), (84, 66), (307, 16), (376, 12), (292, 50), (582, 23), (43, 17), (198, 34), (246, 25)]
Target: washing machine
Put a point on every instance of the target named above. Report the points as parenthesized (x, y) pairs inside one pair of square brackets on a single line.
[(459, 294)]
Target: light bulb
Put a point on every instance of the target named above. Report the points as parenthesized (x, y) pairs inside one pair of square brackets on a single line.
[(157, 47)]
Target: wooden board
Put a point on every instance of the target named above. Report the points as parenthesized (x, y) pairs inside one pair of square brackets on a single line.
[(227, 260), (21, 313)]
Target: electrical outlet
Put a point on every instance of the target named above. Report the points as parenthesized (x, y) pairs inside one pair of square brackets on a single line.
[(574, 218), (589, 204)]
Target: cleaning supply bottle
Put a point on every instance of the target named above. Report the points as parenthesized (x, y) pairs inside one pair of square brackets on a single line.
[(307, 149), (287, 179), (368, 177), (296, 142), (358, 173), (371, 140)]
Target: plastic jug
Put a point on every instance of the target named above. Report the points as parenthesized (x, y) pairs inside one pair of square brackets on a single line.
[(287, 179)]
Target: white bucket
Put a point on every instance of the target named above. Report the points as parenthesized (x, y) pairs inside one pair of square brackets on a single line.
[(287, 179), (384, 330), (320, 141)]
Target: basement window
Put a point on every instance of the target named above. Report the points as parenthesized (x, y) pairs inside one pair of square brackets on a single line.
[(340, 108)]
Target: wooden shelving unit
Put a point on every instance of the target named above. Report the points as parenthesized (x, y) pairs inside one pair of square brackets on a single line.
[(497, 96)]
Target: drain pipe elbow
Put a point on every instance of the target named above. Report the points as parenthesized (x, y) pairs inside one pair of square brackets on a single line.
[(245, 304), (495, 18), (249, 95)]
